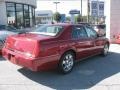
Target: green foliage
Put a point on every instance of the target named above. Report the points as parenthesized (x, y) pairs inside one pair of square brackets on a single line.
[(79, 18), (84, 18), (57, 17), (68, 18)]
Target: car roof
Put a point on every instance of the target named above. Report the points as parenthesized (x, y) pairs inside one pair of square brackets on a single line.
[(68, 24)]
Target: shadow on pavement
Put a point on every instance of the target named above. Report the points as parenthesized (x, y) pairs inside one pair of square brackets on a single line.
[(85, 74)]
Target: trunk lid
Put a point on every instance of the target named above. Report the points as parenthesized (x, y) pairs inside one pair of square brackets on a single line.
[(25, 43)]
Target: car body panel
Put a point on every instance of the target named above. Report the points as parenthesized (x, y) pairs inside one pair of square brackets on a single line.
[(48, 50)]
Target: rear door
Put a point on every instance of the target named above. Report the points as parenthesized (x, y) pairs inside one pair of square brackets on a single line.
[(83, 43)]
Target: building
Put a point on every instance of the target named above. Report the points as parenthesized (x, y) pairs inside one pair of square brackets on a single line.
[(112, 12), (97, 11), (97, 8), (44, 17), (73, 13), (19, 13)]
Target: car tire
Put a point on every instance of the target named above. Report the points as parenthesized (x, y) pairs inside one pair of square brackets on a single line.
[(105, 50), (66, 63)]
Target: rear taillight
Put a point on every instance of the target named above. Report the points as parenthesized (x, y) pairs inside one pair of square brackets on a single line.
[(36, 50)]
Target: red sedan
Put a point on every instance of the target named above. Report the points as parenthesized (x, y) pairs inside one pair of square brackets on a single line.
[(54, 46)]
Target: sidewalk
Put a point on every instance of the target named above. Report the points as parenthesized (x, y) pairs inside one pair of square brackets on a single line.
[(96, 73)]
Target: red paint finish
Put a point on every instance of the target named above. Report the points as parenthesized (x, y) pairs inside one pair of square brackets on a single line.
[(42, 52), (0, 52)]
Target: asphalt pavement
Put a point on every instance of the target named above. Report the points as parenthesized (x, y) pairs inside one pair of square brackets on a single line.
[(95, 73)]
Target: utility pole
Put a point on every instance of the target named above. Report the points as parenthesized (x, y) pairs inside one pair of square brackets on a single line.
[(81, 11), (88, 10), (97, 11), (56, 3)]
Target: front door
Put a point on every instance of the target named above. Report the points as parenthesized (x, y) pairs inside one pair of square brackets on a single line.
[(97, 41)]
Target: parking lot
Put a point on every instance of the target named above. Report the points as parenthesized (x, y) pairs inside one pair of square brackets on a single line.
[(95, 73)]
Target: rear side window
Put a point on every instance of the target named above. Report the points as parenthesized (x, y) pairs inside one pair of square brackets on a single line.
[(79, 32)]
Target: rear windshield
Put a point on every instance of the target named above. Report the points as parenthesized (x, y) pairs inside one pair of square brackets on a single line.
[(50, 30)]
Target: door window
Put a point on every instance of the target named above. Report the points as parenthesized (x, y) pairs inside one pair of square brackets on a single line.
[(79, 32), (91, 33)]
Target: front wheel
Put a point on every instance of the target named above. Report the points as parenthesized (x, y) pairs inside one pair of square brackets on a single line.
[(66, 63), (105, 50)]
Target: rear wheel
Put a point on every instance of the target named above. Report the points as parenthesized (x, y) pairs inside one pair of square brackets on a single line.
[(105, 50), (66, 63)]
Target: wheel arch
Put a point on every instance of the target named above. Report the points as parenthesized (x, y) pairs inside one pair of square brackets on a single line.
[(70, 50), (107, 42), (61, 58)]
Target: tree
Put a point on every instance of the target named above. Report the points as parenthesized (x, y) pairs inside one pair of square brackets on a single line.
[(57, 17), (84, 18), (68, 18), (79, 18)]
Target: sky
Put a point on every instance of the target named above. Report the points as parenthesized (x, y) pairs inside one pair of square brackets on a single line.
[(63, 7)]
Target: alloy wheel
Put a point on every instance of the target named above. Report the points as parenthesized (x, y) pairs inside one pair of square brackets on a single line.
[(68, 62), (106, 50)]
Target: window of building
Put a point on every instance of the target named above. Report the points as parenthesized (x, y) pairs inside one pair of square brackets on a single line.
[(10, 7), (20, 15), (11, 13), (26, 16)]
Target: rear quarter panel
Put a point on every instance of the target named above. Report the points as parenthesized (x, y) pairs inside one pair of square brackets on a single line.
[(53, 49)]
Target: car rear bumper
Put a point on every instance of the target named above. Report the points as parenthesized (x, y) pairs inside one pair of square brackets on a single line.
[(39, 64), (19, 59)]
